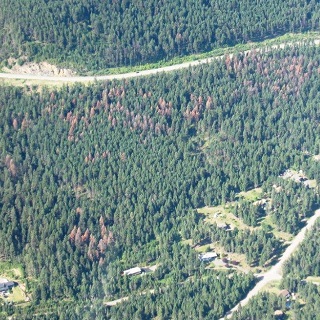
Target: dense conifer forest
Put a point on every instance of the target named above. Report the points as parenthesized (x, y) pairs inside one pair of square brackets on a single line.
[(90, 35), (306, 304), (97, 179)]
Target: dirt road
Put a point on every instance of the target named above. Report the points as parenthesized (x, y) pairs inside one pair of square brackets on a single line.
[(115, 302), (275, 273), (70, 79)]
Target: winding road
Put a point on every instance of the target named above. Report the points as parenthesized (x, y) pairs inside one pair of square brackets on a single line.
[(275, 273), (72, 79)]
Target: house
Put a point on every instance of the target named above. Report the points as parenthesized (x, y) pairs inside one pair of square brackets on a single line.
[(206, 257), (278, 314), (5, 285), (285, 293), (224, 226), (132, 271)]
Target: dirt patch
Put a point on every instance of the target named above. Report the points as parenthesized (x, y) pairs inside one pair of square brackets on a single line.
[(40, 69), (222, 216), (317, 157)]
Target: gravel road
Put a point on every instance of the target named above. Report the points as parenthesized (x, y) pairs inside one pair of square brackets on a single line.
[(275, 273), (184, 65)]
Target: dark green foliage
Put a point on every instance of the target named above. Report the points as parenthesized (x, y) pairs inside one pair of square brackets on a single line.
[(91, 35), (204, 298), (262, 306), (258, 246), (98, 179), (291, 203), (310, 294), (306, 261), (250, 213)]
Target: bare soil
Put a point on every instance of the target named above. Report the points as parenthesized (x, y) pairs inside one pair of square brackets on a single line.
[(40, 69)]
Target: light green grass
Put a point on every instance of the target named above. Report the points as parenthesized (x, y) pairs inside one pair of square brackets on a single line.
[(222, 214), (11, 270), (315, 280), (17, 295), (277, 233), (251, 195), (313, 183), (273, 287)]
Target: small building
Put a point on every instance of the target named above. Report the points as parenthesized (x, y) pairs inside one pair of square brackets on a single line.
[(206, 257), (224, 226), (278, 314), (285, 293), (5, 285), (132, 271)]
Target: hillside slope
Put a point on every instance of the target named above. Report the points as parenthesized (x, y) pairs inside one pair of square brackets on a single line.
[(96, 34)]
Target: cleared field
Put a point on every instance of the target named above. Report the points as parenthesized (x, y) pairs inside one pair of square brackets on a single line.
[(222, 215), (17, 295), (267, 223), (273, 287), (11, 271), (251, 195), (14, 272), (219, 265), (315, 280)]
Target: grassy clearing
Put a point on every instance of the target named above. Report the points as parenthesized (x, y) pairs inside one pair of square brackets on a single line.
[(268, 224), (251, 195), (17, 295), (222, 215), (14, 272), (18, 273), (11, 270), (219, 265), (315, 280), (273, 287), (313, 183)]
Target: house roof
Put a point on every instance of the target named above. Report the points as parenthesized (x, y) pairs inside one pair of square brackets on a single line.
[(208, 255), (131, 271), (284, 293), (4, 286), (3, 280), (278, 313), (7, 284)]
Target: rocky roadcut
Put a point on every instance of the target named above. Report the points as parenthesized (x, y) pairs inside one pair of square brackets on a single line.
[(47, 72), (37, 69)]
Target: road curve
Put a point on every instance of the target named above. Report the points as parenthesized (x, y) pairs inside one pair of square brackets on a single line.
[(275, 273), (179, 66), (110, 76)]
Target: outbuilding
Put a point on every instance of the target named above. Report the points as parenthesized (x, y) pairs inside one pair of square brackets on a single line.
[(206, 257), (5, 285), (132, 271)]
